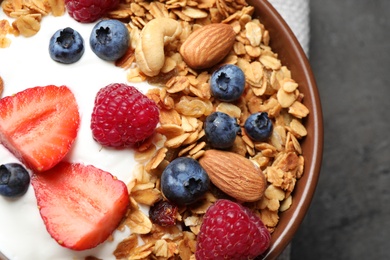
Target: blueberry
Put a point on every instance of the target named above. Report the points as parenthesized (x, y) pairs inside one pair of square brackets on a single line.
[(258, 126), (227, 83), (221, 130), (14, 180), (109, 39), (66, 46), (184, 181)]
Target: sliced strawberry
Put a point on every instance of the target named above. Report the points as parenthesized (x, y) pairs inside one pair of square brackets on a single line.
[(80, 205), (39, 125)]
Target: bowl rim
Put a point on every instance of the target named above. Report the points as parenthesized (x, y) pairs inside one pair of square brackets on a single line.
[(296, 60)]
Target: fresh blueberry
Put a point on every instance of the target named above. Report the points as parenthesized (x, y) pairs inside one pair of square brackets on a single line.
[(66, 46), (14, 180), (258, 126), (221, 130), (184, 181), (109, 39), (227, 83)]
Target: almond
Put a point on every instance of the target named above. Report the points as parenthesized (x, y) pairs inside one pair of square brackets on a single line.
[(234, 174), (208, 45)]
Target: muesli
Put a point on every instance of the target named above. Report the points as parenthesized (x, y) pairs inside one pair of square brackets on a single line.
[(185, 100)]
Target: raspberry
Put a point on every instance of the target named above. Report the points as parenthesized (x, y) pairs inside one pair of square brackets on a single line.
[(87, 11), (123, 116), (231, 231)]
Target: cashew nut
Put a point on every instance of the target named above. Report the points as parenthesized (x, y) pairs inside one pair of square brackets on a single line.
[(149, 52)]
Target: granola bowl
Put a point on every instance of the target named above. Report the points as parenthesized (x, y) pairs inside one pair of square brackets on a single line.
[(289, 51), (278, 81)]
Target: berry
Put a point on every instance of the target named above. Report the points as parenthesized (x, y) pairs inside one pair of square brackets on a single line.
[(231, 231), (221, 130), (109, 39), (123, 116), (258, 126), (163, 213), (227, 83), (14, 180), (80, 205), (184, 181), (39, 125), (87, 11), (66, 46)]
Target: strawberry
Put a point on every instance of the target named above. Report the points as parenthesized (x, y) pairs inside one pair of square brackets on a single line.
[(39, 125), (80, 205)]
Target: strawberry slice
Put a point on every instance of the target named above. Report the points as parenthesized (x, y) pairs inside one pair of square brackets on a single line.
[(80, 205), (39, 125)]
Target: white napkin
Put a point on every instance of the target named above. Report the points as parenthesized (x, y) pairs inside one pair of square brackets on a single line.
[(296, 14)]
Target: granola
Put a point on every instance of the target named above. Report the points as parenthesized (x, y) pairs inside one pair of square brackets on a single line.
[(28, 14), (185, 100)]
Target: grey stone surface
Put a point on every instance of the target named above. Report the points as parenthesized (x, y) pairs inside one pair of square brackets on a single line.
[(349, 217)]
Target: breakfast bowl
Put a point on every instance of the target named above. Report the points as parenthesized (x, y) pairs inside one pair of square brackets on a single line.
[(287, 50)]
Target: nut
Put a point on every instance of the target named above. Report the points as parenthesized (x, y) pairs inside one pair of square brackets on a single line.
[(234, 174), (208, 45), (149, 52)]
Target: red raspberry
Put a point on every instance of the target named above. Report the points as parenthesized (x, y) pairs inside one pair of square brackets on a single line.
[(87, 11), (123, 116), (231, 231)]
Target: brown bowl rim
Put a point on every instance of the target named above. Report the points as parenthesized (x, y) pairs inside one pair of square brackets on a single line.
[(285, 44)]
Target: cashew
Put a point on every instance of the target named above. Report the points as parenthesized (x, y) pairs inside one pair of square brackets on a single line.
[(149, 52)]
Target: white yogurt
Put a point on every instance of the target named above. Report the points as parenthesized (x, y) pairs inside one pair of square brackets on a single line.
[(25, 64)]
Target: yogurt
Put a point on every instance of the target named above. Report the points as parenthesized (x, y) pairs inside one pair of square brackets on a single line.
[(25, 64)]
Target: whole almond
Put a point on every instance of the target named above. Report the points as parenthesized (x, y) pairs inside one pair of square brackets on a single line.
[(207, 46), (234, 174)]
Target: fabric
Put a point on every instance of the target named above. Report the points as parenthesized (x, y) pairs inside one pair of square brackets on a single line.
[(296, 14)]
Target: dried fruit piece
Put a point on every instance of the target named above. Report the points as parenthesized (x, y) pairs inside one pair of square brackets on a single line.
[(163, 213)]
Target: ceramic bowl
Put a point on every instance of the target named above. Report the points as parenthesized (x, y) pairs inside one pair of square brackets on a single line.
[(285, 44), (291, 54)]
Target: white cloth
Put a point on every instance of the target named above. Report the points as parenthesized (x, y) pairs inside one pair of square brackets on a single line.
[(296, 14)]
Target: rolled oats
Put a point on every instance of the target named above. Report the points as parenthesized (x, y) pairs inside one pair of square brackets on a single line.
[(297, 128), (28, 14), (253, 33), (126, 246), (298, 110), (138, 222), (286, 204)]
